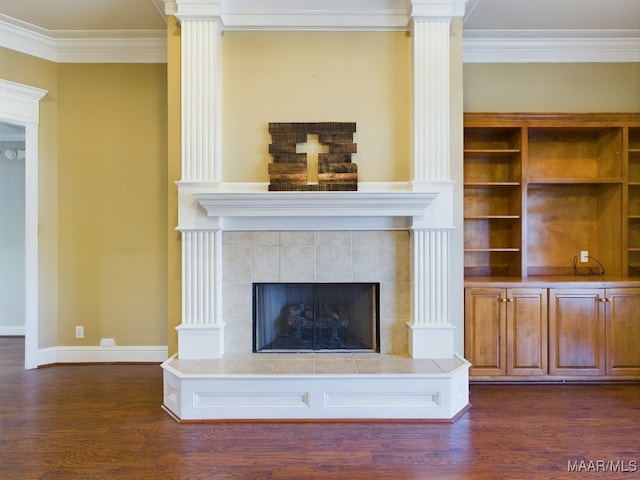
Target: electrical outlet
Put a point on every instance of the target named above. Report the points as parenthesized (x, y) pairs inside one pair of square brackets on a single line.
[(79, 331), (584, 256)]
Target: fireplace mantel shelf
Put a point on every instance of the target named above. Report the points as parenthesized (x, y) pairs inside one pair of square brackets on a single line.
[(315, 204)]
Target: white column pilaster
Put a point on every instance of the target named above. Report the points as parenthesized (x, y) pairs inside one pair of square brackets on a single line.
[(431, 333), (201, 333), (201, 72), (430, 101)]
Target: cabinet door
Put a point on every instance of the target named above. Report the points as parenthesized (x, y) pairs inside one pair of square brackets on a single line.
[(623, 331), (485, 341), (576, 331), (527, 331)]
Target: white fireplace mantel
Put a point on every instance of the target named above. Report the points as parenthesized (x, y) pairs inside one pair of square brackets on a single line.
[(210, 207), (316, 204)]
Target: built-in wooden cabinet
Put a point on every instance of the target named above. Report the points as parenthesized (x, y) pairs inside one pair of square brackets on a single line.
[(622, 332), (485, 343), (538, 190), (576, 331), (545, 329), (506, 331), (594, 331)]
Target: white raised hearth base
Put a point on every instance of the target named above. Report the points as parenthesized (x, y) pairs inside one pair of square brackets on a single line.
[(308, 387)]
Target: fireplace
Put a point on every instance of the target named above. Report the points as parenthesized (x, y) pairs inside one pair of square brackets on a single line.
[(395, 229), (316, 317)]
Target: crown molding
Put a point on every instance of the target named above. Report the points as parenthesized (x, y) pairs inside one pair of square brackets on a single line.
[(113, 46), (551, 46), (84, 46), (321, 15), (26, 38), (479, 46)]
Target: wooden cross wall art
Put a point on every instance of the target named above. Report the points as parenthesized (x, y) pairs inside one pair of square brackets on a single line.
[(290, 170)]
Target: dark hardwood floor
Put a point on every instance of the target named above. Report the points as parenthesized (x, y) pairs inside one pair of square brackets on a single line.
[(105, 422)]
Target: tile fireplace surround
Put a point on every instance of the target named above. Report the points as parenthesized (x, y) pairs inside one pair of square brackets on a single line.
[(236, 234)]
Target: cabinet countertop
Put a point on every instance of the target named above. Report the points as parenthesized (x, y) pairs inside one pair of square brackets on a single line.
[(570, 281)]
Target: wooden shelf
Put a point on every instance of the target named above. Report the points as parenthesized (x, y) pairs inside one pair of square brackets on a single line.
[(483, 152), (491, 184), (489, 217), (588, 152), (492, 249), (573, 180)]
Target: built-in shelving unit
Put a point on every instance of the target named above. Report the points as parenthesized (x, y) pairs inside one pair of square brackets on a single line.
[(633, 196), (541, 188), (492, 200), (538, 190)]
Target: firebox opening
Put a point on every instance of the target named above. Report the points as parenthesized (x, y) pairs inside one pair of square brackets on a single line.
[(316, 317)]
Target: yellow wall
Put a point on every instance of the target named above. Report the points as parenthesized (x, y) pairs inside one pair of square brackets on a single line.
[(102, 199), (456, 301), (34, 72), (174, 246), (112, 203), (361, 77), (573, 87)]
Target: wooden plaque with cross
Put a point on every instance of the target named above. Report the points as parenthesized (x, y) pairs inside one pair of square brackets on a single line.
[(312, 157)]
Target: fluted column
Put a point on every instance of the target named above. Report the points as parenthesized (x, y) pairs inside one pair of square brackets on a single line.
[(201, 69), (201, 333), (430, 100), (430, 329)]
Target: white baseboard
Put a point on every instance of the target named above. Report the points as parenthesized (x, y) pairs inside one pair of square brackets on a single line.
[(12, 331), (65, 354)]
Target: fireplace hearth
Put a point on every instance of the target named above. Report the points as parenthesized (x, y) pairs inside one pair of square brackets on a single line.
[(316, 317)]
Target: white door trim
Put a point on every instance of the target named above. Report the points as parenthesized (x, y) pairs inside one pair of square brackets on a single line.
[(20, 104)]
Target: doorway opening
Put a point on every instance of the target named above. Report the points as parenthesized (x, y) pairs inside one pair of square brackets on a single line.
[(12, 232)]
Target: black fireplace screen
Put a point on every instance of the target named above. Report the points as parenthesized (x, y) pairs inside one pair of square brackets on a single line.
[(316, 317)]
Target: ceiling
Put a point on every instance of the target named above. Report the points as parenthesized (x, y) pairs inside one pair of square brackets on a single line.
[(87, 14), (82, 15), (552, 15)]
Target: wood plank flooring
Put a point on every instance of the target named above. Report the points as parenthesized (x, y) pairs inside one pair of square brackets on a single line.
[(105, 422)]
